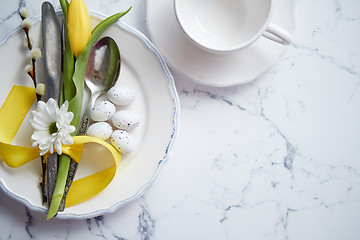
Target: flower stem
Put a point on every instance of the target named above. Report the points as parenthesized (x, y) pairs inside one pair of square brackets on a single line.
[(64, 162)]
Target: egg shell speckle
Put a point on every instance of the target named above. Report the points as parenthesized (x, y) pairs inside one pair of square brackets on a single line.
[(122, 141), (121, 95), (101, 130), (125, 120), (102, 111)]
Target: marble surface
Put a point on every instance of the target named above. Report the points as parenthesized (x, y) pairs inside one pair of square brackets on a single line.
[(277, 158)]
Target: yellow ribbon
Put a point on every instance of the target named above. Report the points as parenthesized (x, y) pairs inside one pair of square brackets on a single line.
[(12, 114)]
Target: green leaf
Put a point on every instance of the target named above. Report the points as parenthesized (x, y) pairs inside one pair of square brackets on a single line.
[(68, 61), (64, 6), (63, 168)]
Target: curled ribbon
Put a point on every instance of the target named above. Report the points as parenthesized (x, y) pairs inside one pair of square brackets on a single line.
[(12, 114)]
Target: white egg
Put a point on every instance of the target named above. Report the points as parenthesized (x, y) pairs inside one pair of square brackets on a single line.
[(102, 111), (125, 120), (122, 141), (121, 95), (101, 130)]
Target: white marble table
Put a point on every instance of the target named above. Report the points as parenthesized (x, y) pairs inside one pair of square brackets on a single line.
[(278, 158)]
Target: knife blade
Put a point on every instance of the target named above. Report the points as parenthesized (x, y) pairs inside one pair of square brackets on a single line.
[(52, 78), (52, 51)]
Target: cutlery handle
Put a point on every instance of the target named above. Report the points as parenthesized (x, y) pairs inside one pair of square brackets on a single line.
[(84, 124), (51, 175)]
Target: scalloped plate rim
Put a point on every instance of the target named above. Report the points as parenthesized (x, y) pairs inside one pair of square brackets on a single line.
[(161, 162)]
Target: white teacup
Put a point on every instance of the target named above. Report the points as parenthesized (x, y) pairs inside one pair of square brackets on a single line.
[(227, 25)]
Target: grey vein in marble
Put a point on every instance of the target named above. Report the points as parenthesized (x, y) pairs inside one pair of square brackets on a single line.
[(29, 222), (14, 13), (146, 226)]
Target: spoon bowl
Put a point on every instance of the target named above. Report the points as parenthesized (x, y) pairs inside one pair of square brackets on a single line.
[(102, 72), (103, 67)]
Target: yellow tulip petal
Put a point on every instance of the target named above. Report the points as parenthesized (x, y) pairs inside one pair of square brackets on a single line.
[(79, 27)]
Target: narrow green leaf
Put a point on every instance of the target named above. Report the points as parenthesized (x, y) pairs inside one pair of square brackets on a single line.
[(63, 167), (64, 6), (68, 61)]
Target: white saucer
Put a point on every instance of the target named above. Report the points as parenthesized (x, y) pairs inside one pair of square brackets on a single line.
[(213, 69)]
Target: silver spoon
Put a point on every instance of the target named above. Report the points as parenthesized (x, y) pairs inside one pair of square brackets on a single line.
[(102, 71)]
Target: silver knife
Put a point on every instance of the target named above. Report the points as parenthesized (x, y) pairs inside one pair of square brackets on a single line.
[(52, 78)]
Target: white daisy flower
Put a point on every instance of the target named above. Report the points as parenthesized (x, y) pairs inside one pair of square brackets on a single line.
[(51, 126)]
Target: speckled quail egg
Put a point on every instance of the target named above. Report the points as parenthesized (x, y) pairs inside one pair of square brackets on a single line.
[(102, 111), (121, 95), (125, 120), (122, 141), (101, 130)]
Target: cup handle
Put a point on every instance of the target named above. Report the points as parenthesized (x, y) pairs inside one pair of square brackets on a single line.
[(277, 34)]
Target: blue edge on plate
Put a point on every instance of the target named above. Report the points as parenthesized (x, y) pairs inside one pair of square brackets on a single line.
[(168, 150)]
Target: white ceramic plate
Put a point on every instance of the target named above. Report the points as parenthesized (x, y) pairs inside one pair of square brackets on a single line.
[(213, 69), (144, 70)]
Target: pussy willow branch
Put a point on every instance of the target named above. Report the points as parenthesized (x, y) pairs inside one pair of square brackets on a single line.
[(31, 73), (38, 97)]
